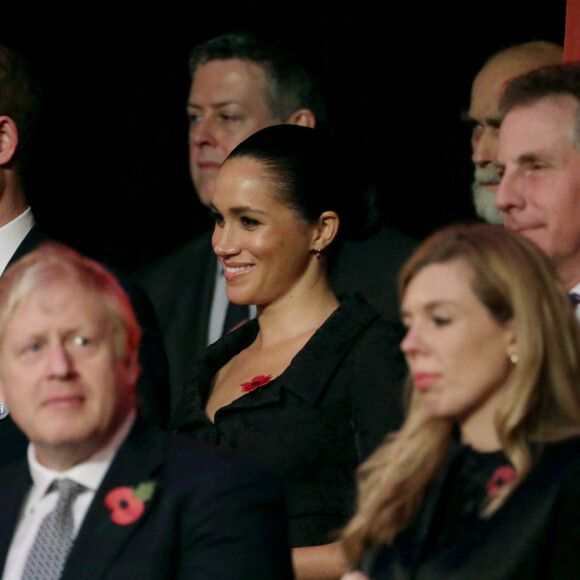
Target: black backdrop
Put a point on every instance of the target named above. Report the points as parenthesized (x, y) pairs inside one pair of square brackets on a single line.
[(111, 176)]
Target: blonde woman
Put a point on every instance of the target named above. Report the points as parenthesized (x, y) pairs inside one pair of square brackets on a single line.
[(483, 479)]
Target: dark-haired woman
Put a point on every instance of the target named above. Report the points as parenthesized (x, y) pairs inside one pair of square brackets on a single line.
[(311, 386)]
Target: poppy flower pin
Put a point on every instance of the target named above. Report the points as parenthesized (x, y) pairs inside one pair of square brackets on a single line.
[(257, 382), (502, 476), (127, 504)]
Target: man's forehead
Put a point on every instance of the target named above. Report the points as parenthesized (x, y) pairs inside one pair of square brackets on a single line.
[(64, 299), (487, 89), (224, 81), (492, 80), (541, 122)]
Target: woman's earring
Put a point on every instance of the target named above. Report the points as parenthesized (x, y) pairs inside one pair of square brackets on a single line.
[(318, 254), (514, 358)]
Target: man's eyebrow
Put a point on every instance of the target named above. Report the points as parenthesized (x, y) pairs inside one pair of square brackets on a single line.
[(191, 105), (494, 121), (466, 117), (530, 157)]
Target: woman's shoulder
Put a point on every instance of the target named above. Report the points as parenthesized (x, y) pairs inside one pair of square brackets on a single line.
[(372, 330), (561, 457)]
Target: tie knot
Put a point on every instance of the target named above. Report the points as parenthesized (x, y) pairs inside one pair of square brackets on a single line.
[(67, 488)]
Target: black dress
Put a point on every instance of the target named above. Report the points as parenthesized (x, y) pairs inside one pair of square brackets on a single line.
[(535, 535), (315, 422)]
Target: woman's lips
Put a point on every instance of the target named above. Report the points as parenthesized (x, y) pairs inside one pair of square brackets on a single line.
[(234, 271), (424, 381)]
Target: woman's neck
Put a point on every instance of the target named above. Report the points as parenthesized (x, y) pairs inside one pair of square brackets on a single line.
[(480, 433), (296, 313)]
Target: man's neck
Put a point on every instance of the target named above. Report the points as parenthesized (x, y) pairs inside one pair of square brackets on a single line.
[(12, 204), (570, 276)]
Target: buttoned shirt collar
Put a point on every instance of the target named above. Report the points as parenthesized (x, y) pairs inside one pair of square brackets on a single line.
[(89, 473), (12, 234)]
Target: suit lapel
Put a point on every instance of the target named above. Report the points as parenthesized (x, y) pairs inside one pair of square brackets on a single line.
[(33, 238), (100, 539), (204, 299), (350, 320), (15, 483)]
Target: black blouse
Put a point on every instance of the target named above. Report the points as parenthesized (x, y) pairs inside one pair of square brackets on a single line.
[(534, 535), (318, 420)]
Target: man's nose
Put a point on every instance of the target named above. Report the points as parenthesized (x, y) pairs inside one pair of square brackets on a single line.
[(506, 196), (485, 148), (202, 132), (61, 363)]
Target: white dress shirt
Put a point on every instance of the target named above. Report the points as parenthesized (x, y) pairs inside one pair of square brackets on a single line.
[(12, 234), (219, 307), (40, 502)]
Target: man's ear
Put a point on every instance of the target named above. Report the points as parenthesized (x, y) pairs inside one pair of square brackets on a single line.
[(2, 396), (132, 368), (326, 230), (302, 117), (8, 139)]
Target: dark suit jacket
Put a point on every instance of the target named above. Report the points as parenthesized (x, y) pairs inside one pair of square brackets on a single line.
[(181, 287), (153, 384), (535, 535), (212, 516)]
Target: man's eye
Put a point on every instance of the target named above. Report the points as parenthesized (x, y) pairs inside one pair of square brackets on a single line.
[(33, 347), (441, 321), (80, 340)]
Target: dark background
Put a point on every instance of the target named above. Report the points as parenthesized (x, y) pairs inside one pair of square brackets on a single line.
[(111, 174)]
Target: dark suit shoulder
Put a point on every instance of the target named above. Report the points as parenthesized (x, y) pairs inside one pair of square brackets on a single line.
[(179, 265), (181, 287), (229, 510), (371, 267)]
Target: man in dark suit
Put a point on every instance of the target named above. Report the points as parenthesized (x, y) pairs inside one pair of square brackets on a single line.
[(102, 493), (539, 160), (20, 105), (239, 86)]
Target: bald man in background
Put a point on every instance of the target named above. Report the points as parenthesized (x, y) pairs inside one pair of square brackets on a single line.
[(486, 91)]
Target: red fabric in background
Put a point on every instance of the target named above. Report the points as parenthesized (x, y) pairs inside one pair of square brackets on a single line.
[(572, 31)]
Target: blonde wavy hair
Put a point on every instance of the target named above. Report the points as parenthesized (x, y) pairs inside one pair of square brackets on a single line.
[(541, 400)]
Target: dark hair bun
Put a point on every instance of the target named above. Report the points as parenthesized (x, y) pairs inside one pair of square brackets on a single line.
[(317, 174)]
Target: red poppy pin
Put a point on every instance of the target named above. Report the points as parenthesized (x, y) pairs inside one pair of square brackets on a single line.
[(255, 383), (502, 476), (127, 504)]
